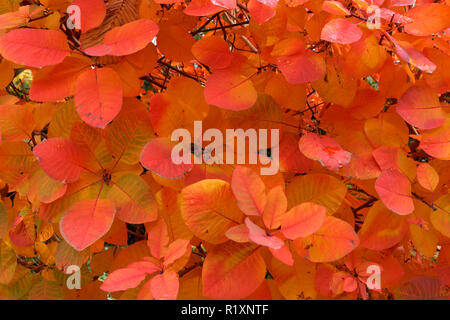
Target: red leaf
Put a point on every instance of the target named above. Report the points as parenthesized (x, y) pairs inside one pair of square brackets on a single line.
[(126, 39), (176, 250), (325, 150), (283, 254), (86, 221), (60, 158), (165, 286), (394, 190), (92, 12), (200, 8), (259, 236), (296, 64), (98, 96), (420, 107), (130, 276), (341, 31), (34, 47), (157, 157)]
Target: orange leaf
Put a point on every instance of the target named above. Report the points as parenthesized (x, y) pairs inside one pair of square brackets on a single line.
[(230, 90), (303, 220), (212, 51), (276, 206), (427, 176), (232, 271), (249, 190), (335, 239), (208, 210), (428, 18), (98, 96)]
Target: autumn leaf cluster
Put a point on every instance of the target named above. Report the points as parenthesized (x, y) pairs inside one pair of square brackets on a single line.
[(358, 89)]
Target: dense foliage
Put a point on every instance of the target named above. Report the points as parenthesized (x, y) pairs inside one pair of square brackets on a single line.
[(93, 90)]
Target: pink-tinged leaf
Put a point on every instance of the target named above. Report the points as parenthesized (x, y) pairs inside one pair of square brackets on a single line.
[(303, 220), (98, 96), (325, 150), (158, 238), (157, 157), (60, 158), (259, 236), (227, 4), (260, 12), (86, 221), (92, 13), (228, 89), (200, 8), (283, 254), (130, 276), (350, 284), (212, 51), (276, 206), (176, 250), (420, 107), (394, 189), (341, 31), (238, 233), (395, 158), (409, 54), (428, 18), (427, 176), (127, 39), (249, 190), (34, 47), (165, 286), (269, 3)]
